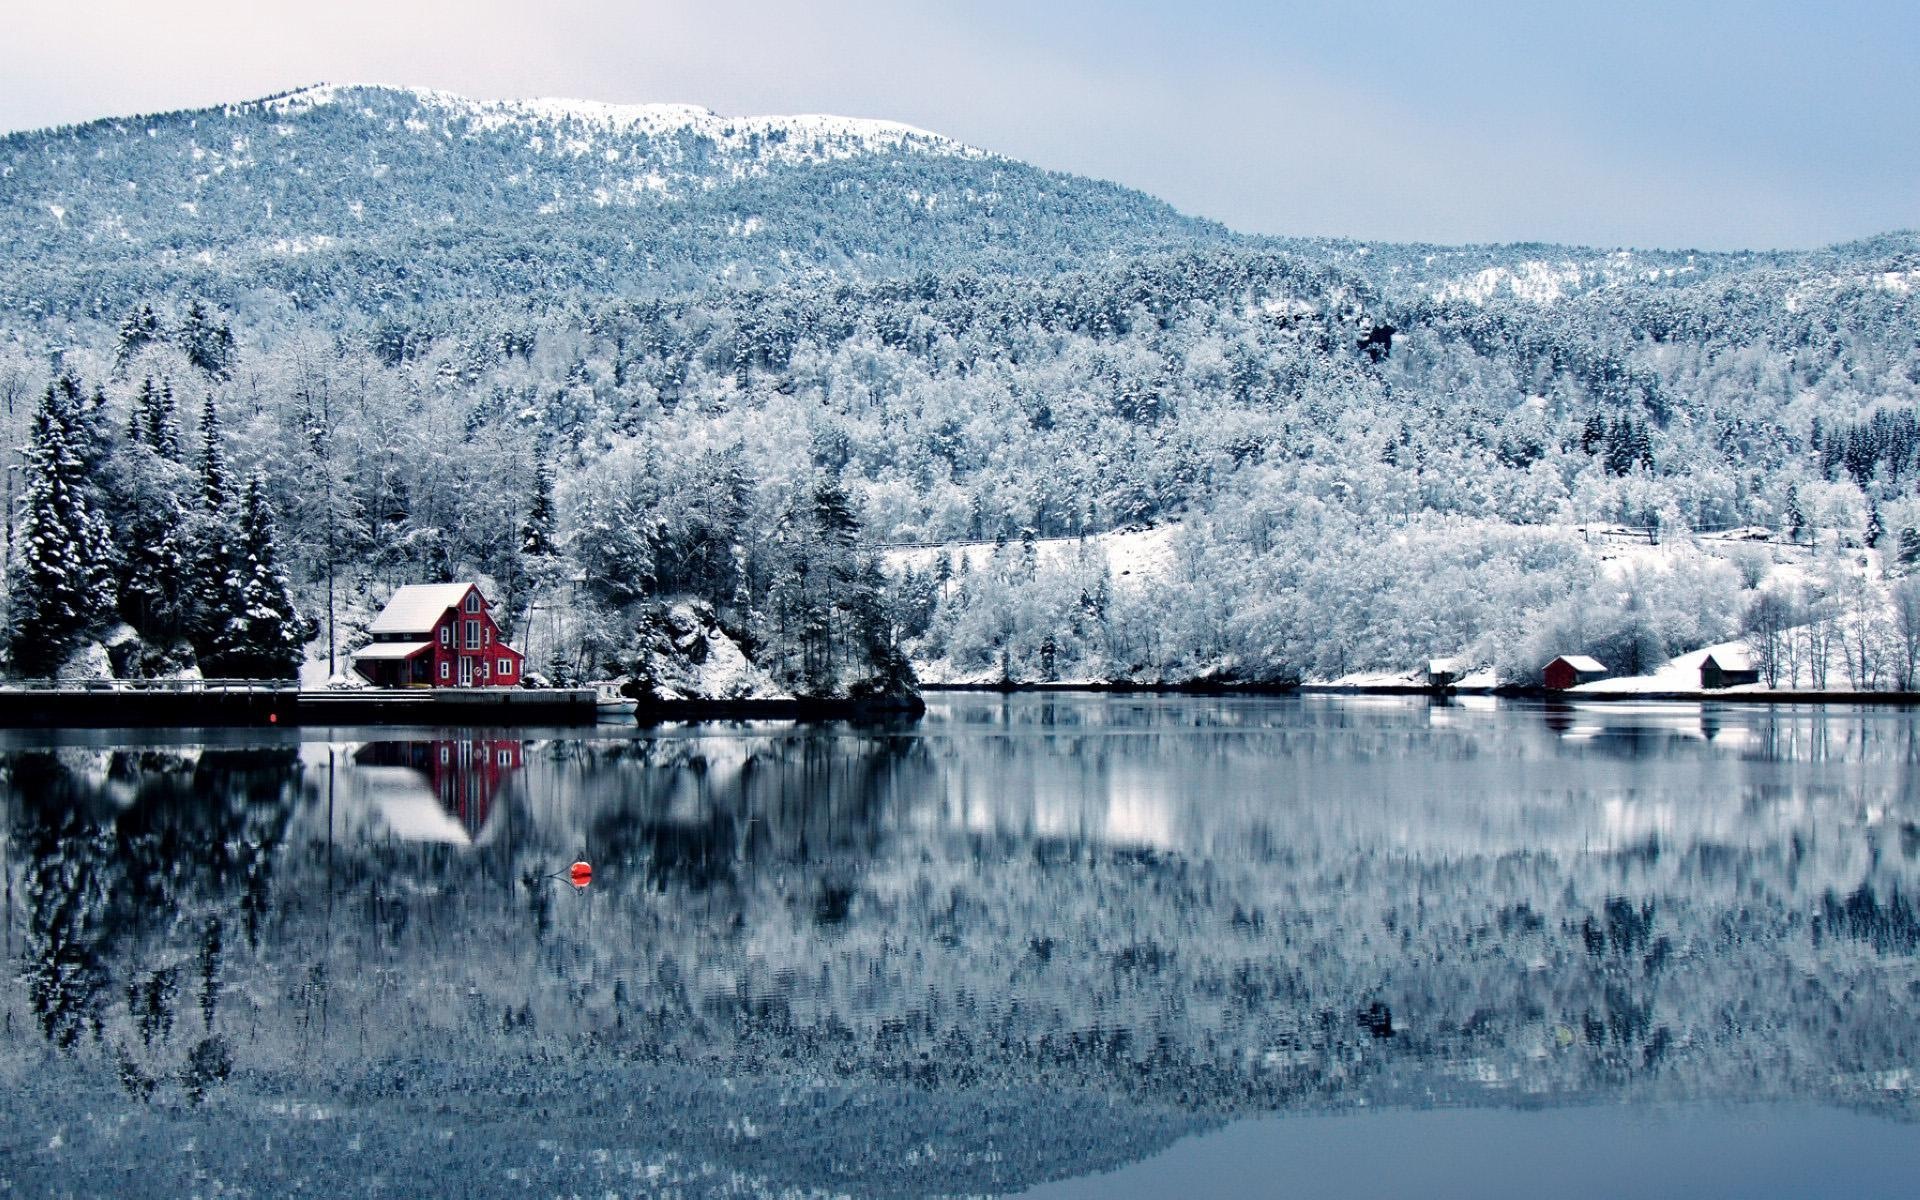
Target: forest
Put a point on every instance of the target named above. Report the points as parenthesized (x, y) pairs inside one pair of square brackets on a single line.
[(262, 364)]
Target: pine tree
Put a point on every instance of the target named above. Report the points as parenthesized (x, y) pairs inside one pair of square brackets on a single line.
[(213, 460), (1593, 434), (264, 632), (138, 329), (1796, 518), (140, 421), (537, 534), (156, 596), (61, 577), (207, 344), (1876, 528), (163, 432)]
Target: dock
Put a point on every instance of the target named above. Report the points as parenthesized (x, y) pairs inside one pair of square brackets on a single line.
[(151, 703)]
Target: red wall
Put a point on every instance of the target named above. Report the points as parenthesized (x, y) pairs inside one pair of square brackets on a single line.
[(493, 648)]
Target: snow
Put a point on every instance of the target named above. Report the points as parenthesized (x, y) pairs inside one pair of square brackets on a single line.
[(1582, 663), (391, 650), (1681, 674), (1534, 282), (799, 137), (704, 663), (1134, 557), (418, 607)]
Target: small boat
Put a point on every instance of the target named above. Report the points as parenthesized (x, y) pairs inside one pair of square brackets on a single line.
[(610, 702)]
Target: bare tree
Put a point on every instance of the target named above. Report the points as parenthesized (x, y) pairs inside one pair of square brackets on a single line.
[(1819, 633), (1906, 626), (1768, 624)]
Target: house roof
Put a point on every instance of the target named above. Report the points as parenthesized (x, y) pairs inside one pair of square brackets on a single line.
[(418, 607), (1729, 660), (1582, 663), (393, 650)]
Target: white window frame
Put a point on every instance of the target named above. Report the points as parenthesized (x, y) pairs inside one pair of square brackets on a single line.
[(446, 635), (505, 666), (446, 672), (472, 635), (473, 602)]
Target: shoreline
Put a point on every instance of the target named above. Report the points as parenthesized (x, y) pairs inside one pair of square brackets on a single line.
[(663, 712), (1505, 692), (105, 705)]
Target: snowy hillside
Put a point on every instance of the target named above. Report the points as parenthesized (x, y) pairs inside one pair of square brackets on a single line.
[(642, 134), (371, 196), (634, 355)]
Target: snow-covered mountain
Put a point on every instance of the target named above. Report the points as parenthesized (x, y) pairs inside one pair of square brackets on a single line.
[(398, 194)]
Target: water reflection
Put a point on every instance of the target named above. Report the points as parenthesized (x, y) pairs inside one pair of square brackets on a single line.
[(438, 791), (1027, 938)]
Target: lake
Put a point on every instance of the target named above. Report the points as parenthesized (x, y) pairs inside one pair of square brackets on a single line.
[(1081, 945)]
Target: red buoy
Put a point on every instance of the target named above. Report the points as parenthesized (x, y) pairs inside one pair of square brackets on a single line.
[(580, 874)]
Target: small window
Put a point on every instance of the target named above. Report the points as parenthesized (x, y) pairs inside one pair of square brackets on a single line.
[(446, 634), (473, 601), (504, 758), (506, 666), (444, 669)]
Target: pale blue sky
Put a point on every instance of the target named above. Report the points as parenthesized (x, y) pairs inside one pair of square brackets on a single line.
[(1689, 123)]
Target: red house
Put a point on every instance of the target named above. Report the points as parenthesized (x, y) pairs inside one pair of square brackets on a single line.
[(437, 635)]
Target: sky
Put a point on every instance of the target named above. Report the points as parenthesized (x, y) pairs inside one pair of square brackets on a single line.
[(1677, 124)]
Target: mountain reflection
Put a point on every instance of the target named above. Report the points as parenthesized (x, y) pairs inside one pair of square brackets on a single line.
[(1026, 938)]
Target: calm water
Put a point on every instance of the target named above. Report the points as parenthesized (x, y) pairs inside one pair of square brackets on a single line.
[(1088, 946)]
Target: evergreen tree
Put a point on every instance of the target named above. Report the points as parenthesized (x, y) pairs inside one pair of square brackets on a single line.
[(1593, 434), (537, 533), (208, 344), (140, 422), (163, 430), (211, 600), (1876, 528), (138, 328), (1909, 551), (1796, 517), (263, 632), (156, 593), (61, 578), (213, 460)]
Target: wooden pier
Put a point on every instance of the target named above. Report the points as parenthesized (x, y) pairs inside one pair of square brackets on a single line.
[(115, 703)]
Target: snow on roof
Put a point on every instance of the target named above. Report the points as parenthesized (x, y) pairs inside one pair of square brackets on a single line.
[(1582, 663), (386, 650), (418, 607), (1729, 660)]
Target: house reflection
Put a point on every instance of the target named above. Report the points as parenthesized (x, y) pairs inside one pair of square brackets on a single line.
[(462, 778)]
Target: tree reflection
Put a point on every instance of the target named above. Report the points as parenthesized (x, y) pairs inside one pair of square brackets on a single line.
[(1195, 908)]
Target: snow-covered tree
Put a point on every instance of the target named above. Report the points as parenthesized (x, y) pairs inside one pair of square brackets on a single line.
[(61, 577), (255, 629)]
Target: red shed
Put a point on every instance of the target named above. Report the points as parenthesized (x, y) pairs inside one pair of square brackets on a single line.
[(1569, 669), (438, 635)]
